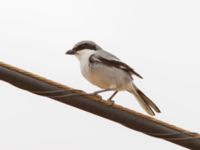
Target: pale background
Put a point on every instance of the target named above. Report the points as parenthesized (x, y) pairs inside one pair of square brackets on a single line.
[(159, 39)]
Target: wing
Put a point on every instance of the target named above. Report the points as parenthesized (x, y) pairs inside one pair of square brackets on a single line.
[(114, 63)]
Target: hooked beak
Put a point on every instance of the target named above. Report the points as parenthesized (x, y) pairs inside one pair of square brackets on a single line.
[(70, 52)]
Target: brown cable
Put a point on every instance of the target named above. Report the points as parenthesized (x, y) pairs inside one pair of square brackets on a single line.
[(94, 104)]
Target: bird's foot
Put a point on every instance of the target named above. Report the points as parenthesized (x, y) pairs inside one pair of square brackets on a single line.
[(96, 95), (110, 102)]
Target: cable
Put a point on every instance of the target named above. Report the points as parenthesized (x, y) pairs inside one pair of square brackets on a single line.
[(94, 104)]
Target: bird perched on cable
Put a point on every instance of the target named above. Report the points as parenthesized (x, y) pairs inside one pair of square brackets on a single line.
[(106, 71)]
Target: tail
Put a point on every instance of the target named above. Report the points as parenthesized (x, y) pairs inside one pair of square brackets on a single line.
[(147, 104)]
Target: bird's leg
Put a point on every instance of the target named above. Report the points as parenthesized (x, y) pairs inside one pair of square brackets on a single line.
[(110, 101), (101, 91), (110, 98)]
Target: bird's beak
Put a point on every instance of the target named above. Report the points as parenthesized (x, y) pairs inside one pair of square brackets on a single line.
[(70, 52)]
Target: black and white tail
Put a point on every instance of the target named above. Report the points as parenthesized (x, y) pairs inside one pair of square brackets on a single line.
[(147, 104)]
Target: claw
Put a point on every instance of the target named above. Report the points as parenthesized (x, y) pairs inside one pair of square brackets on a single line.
[(99, 97), (110, 102), (94, 93)]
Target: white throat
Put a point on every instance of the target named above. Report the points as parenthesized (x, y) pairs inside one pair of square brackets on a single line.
[(84, 55)]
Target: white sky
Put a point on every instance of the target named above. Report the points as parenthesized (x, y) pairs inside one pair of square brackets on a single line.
[(160, 39)]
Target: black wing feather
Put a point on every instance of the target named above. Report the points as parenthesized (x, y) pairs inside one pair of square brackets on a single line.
[(114, 63)]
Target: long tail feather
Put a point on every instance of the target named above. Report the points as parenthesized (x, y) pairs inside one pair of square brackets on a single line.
[(149, 101), (144, 101)]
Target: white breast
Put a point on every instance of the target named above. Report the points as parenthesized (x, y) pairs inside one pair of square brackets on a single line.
[(83, 57), (100, 75)]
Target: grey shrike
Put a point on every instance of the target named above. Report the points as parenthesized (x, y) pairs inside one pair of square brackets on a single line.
[(107, 72)]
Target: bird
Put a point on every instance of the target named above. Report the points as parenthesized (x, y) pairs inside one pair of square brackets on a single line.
[(109, 73)]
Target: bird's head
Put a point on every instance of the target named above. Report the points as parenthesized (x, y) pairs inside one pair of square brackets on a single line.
[(83, 47)]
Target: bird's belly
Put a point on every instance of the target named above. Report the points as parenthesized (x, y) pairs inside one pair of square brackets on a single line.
[(97, 78), (106, 77)]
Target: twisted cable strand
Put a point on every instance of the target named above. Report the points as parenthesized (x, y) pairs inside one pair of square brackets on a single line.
[(61, 92)]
